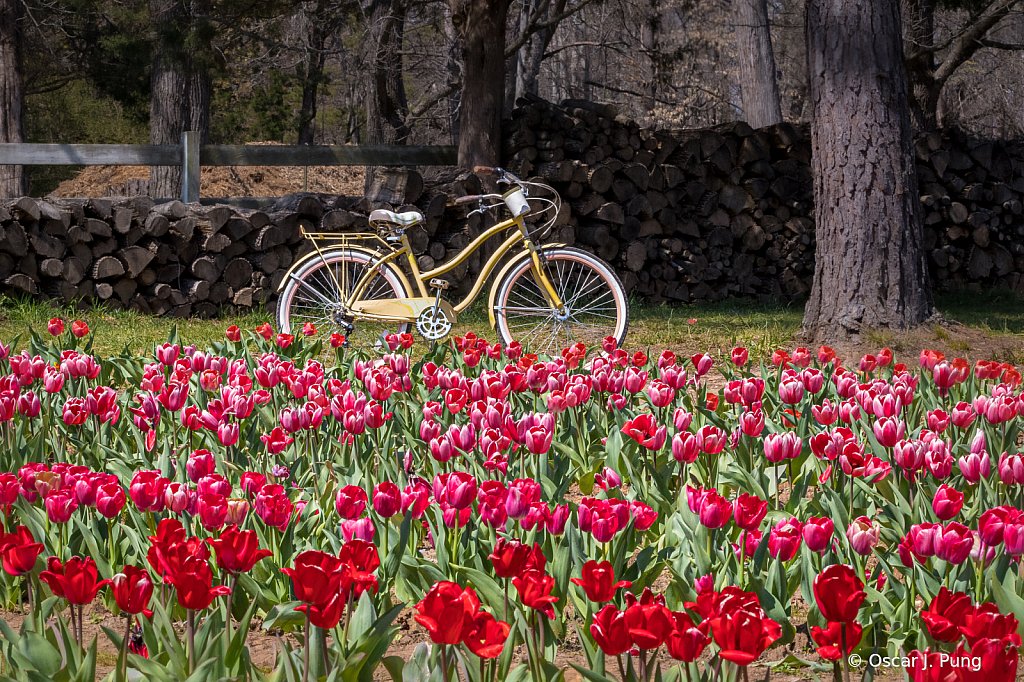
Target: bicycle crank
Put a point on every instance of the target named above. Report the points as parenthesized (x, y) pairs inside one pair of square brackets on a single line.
[(433, 324)]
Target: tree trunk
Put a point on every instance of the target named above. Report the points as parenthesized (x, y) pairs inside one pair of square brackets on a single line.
[(320, 25), (480, 25), (531, 55), (453, 66), (761, 105), (870, 270), (181, 83), (923, 94), (649, 31), (13, 179), (386, 108)]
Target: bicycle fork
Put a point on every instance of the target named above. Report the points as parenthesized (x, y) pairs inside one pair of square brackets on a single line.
[(547, 288)]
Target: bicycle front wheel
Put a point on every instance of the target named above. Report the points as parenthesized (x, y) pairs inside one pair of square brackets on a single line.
[(594, 298), (315, 293)]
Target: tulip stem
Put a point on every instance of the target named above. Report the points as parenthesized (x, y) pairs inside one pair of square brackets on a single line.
[(74, 626), (622, 671), (124, 644), (81, 627), (444, 662), (745, 677), (845, 653), (305, 652), (192, 640), (110, 538)]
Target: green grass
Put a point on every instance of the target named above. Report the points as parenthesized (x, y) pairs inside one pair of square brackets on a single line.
[(716, 327), (995, 312)]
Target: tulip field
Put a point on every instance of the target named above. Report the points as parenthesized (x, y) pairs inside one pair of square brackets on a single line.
[(602, 514)]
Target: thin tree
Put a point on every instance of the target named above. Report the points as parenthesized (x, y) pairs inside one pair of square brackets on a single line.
[(13, 179), (760, 89), (870, 270)]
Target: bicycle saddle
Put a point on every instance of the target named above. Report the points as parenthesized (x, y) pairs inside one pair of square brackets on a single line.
[(407, 219)]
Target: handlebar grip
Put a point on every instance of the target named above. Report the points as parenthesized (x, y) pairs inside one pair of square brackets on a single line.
[(468, 199), (483, 170)]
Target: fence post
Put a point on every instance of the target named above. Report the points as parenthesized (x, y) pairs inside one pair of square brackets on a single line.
[(190, 166)]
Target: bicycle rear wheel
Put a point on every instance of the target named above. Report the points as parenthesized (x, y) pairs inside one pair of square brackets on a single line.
[(311, 295), (594, 298)]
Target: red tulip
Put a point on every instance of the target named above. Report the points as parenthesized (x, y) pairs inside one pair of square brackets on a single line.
[(147, 491), (739, 356), (110, 500), (534, 588), (60, 505), (76, 580), (932, 666), (448, 612), (387, 499), (316, 576), (509, 557), (610, 631), (947, 502), (598, 581), (487, 636), (276, 441), (817, 533), (55, 326), (953, 543), (998, 661), (193, 584), (784, 539), (830, 640), (19, 551), (79, 328), (839, 593), (326, 615), (649, 625), (686, 642), (237, 552), (132, 590), (749, 511), (350, 502), (743, 634), (715, 510)]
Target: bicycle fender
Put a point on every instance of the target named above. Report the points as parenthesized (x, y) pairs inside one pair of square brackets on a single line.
[(313, 254), (525, 255)]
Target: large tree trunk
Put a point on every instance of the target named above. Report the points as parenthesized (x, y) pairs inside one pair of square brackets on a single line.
[(761, 105), (870, 270), (480, 25), (650, 29), (13, 179), (386, 108), (320, 24)]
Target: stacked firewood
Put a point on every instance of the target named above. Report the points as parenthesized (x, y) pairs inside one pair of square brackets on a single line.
[(683, 215), (971, 198), (167, 258)]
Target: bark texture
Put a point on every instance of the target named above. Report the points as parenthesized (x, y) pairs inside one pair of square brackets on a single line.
[(870, 270), (480, 25), (761, 105), (13, 179), (387, 108), (180, 98)]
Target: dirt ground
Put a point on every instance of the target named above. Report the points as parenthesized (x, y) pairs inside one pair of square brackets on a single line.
[(227, 181)]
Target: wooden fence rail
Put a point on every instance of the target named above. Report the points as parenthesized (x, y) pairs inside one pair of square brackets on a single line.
[(191, 156)]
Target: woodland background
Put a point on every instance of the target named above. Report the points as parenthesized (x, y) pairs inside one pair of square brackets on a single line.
[(302, 72)]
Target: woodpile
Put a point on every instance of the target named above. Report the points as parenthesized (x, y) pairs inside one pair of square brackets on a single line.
[(683, 215), (161, 259), (971, 198)]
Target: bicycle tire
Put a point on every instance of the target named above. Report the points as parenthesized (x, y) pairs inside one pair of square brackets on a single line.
[(311, 293), (590, 290)]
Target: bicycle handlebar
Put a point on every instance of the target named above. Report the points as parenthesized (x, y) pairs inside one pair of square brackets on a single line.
[(468, 199), (483, 170)]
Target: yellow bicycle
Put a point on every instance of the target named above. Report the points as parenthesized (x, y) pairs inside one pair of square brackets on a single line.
[(545, 296)]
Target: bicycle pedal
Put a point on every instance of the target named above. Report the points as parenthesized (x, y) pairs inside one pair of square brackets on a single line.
[(441, 284)]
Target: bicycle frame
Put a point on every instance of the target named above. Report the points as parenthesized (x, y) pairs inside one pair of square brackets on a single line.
[(387, 310)]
